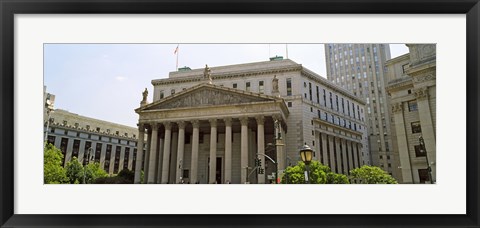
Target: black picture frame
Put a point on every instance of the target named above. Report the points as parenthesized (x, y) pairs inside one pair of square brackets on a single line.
[(9, 8)]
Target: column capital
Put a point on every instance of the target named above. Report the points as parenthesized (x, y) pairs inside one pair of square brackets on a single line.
[(421, 93), (154, 125), (168, 125), (260, 120), (213, 122), (228, 121), (181, 124), (397, 107), (141, 127), (196, 123), (244, 120)]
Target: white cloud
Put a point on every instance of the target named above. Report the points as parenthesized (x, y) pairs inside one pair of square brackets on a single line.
[(120, 78)]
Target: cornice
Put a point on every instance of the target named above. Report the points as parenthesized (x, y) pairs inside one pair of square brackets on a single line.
[(235, 74), (91, 131)]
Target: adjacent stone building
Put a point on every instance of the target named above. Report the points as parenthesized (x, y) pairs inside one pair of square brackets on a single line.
[(412, 89), (211, 125), (360, 68), (112, 145)]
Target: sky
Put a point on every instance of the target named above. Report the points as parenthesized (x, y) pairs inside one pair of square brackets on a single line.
[(106, 81)]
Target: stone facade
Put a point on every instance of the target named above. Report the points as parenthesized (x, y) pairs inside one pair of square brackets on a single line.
[(240, 113), (112, 145), (412, 89), (360, 68)]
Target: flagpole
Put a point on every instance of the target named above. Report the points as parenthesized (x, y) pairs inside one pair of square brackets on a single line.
[(178, 52), (286, 49)]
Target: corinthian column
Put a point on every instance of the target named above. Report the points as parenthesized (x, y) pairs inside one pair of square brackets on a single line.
[(261, 147), (152, 158), (138, 165), (244, 150), (194, 163), (180, 147), (228, 149), (213, 151), (166, 152)]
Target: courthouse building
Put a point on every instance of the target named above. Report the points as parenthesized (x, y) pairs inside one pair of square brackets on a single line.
[(112, 145), (210, 125), (412, 89)]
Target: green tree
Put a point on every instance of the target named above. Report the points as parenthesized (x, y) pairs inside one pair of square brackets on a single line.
[(123, 177), (93, 172), (53, 171), (371, 175), (74, 171), (319, 174)]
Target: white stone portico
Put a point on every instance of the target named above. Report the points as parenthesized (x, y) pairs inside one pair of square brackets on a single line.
[(208, 134)]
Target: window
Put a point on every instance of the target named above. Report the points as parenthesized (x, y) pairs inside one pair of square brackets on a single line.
[(172, 91), (310, 90), (185, 173), (416, 128), (423, 175), (247, 86), (318, 96), (289, 104), (161, 95), (412, 106), (289, 87), (261, 88), (404, 68), (234, 85), (419, 152)]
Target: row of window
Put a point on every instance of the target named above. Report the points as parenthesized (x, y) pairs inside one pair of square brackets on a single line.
[(96, 155), (97, 129), (89, 136)]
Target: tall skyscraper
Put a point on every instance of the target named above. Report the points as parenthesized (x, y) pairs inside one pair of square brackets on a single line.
[(360, 68)]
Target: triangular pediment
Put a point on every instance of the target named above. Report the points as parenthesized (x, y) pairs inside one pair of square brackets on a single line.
[(205, 95)]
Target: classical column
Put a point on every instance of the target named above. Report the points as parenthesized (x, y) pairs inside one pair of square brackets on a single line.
[(180, 150), (402, 143), (213, 151), (161, 144), (228, 150), (153, 158), (323, 137), (146, 161), (350, 154), (81, 151), (339, 156), (261, 146), (331, 152), (428, 132), (138, 165), (166, 152), (173, 158), (345, 157), (356, 159), (244, 149), (194, 163), (122, 157), (68, 152)]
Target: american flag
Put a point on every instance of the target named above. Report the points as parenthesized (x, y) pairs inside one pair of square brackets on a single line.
[(176, 50)]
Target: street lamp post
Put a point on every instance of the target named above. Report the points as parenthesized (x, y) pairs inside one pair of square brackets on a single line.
[(90, 150), (424, 150), (306, 153)]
